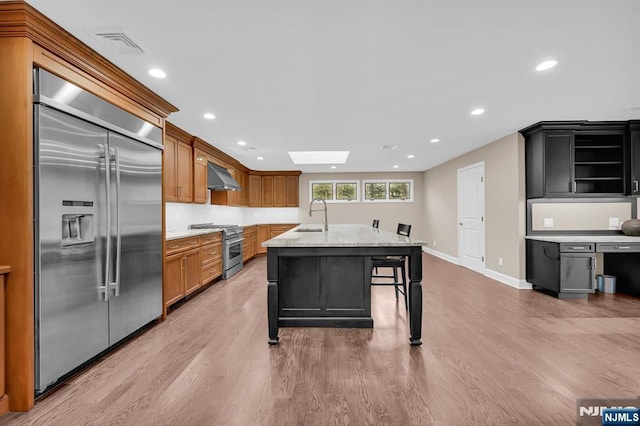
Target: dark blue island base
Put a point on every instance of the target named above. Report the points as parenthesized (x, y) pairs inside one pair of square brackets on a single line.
[(330, 287)]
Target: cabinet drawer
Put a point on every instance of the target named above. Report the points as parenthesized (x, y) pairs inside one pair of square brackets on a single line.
[(210, 238), (210, 253), (577, 247), (281, 228), (211, 271), (250, 229), (182, 244), (619, 247)]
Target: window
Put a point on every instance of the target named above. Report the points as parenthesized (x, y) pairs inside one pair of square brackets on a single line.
[(398, 190), (335, 191)]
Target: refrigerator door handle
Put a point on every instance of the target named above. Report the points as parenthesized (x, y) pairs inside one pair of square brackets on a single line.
[(107, 262), (118, 225)]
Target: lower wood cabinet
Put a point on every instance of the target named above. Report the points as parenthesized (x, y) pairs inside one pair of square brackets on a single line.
[(249, 247), (189, 264)]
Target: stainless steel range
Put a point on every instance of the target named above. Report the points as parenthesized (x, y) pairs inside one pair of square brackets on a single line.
[(232, 240)]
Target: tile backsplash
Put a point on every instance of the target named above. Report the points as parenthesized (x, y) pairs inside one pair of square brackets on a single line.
[(179, 216)]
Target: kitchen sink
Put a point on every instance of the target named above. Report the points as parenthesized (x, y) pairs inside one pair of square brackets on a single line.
[(308, 230)]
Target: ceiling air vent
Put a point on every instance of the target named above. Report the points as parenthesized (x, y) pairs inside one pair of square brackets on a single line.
[(388, 147), (119, 41)]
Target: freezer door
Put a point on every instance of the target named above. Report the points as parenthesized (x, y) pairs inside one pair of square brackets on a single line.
[(136, 289), (71, 313)]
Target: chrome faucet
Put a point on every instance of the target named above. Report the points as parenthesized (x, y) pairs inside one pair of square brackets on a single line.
[(326, 223)]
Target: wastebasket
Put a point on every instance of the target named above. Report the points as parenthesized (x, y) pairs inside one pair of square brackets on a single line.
[(609, 283), (599, 283)]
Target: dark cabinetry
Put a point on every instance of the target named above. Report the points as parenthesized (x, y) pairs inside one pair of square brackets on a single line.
[(576, 158), (563, 269), (634, 137)]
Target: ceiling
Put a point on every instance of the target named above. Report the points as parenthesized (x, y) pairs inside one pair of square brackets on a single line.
[(294, 75)]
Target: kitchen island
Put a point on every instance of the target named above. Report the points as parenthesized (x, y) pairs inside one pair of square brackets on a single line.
[(320, 278)]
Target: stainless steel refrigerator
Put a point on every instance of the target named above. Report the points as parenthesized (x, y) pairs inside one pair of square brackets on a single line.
[(98, 226)]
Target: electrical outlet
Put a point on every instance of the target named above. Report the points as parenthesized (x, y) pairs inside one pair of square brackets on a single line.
[(177, 215), (434, 243), (548, 222), (614, 222), (500, 261)]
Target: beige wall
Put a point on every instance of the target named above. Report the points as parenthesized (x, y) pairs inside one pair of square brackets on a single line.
[(578, 216), (504, 204), (389, 214)]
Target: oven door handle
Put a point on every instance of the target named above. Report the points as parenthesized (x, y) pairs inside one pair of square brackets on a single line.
[(234, 241)]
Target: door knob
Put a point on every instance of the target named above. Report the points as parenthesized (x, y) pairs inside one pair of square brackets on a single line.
[(460, 223)]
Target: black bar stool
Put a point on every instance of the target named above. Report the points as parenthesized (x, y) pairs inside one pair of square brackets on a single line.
[(394, 262)]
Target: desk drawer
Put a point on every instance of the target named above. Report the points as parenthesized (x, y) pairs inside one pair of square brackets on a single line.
[(619, 247), (577, 247), (182, 244)]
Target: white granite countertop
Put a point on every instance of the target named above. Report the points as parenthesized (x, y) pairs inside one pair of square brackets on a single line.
[(175, 235), (341, 235), (585, 238)]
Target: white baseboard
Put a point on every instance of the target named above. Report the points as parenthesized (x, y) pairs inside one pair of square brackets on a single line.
[(508, 280), (441, 255), (505, 279)]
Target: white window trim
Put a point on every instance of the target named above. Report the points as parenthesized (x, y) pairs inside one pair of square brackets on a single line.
[(387, 182), (334, 182)]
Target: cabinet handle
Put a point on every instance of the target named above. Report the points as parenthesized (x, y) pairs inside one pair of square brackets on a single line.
[(173, 247), (577, 248), (623, 247), (593, 263), (182, 263), (575, 186), (212, 253), (635, 186)]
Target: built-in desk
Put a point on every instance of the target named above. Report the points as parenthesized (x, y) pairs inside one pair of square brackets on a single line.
[(565, 265)]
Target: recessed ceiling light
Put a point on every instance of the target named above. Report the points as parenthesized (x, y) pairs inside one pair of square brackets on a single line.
[(209, 116), (395, 166), (477, 111), (319, 157), (435, 140), (242, 143), (410, 156), (333, 167), (260, 158), (157, 73), (546, 65)]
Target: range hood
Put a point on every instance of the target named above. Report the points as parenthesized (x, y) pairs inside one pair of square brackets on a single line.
[(219, 179)]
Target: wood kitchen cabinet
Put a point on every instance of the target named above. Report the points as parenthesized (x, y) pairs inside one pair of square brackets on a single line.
[(250, 241), (263, 234), (200, 191), (189, 264), (232, 198), (178, 165), (291, 188), (210, 256), (255, 191), (279, 190), (277, 229)]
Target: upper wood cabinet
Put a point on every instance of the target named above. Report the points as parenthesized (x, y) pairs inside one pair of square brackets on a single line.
[(178, 166), (267, 191), (199, 176), (279, 190), (232, 198), (291, 189), (255, 191)]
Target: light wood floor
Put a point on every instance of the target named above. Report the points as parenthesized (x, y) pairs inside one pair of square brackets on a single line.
[(491, 355)]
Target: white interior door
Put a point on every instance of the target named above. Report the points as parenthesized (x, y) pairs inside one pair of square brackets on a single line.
[(471, 231)]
